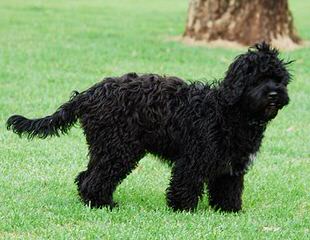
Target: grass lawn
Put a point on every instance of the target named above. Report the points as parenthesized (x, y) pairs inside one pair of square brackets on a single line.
[(49, 48)]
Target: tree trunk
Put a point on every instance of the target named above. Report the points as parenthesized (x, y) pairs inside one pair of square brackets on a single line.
[(243, 21)]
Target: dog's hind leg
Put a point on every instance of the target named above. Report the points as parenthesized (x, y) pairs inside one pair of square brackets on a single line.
[(186, 187), (105, 171), (225, 193)]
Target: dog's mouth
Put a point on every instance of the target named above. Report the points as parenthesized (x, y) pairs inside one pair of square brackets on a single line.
[(264, 105), (271, 110)]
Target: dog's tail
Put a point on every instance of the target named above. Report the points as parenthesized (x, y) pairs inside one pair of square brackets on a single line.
[(59, 122)]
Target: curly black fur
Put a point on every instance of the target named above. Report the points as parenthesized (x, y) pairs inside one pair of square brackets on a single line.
[(209, 133)]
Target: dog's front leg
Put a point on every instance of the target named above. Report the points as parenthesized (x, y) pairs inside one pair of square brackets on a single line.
[(186, 187), (225, 193)]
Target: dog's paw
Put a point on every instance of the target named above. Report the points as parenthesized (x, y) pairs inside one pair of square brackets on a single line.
[(110, 206), (227, 209)]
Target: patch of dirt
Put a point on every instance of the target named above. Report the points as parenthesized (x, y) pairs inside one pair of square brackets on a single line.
[(282, 43), (287, 44)]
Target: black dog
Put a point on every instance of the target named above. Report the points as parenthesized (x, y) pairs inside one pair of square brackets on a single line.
[(209, 133)]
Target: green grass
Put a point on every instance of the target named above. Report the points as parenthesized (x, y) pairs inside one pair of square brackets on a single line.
[(49, 48)]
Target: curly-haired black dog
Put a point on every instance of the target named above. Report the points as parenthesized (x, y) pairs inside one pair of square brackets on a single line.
[(209, 133)]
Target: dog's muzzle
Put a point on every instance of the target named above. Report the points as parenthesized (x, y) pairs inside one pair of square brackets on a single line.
[(273, 106), (275, 102)]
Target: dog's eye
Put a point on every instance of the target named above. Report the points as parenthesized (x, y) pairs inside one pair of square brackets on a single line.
[(278, 80)]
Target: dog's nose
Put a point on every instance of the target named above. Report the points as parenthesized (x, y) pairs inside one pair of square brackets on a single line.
[(272, 95)]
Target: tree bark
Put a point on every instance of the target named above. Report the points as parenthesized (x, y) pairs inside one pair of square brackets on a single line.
[(243, 21)]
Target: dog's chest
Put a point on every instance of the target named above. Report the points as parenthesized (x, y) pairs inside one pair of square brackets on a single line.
[(252, 158), (241, 152), (236, 168)]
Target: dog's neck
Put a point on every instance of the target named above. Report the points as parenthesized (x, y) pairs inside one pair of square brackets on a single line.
[(237, 116), (257, 123)]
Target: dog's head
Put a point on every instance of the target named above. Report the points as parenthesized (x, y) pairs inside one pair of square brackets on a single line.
[(257, 81)]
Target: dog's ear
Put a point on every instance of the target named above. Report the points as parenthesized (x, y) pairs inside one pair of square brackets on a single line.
[(235, 80), (243, 68)]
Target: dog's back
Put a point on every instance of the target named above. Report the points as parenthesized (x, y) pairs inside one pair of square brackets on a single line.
[(139, 107)]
